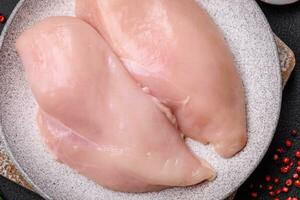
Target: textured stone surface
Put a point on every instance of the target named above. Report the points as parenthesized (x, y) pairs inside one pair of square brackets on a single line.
[(252, 44)]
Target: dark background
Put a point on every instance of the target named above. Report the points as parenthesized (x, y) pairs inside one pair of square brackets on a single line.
[(285, 22)]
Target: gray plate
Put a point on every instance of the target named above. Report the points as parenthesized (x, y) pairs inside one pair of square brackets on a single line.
[(252, 43)]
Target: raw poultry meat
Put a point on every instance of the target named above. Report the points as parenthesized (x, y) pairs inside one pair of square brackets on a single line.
[(174, 48), (95, 118)]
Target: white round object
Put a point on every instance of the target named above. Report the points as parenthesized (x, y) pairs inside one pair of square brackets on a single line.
[(280, 2), (251, 41)]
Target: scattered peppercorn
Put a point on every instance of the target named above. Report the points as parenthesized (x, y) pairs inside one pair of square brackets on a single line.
[(272, 193), (270, 187), (297, 154), (288, 143), (286, 160), (253, 194), (278, 191), (2, 19), (297, 183), (294, 132), (275, 157), (285, 169), (295, 176), (285, 189), (285, 163), (288, 182), (276, 180), (268, 178)]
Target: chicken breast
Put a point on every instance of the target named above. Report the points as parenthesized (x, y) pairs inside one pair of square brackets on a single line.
[(95, 118), (175, 49)]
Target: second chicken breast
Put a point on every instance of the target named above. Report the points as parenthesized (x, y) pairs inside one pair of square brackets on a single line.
[(174, 48)]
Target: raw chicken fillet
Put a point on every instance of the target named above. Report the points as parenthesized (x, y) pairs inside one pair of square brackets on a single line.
[(174, 48), (95, 117)]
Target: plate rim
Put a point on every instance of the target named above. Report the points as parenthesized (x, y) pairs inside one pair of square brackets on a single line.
[(6, 147)]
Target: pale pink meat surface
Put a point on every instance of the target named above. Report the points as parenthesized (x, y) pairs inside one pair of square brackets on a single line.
[(174, 48), (95, 118)]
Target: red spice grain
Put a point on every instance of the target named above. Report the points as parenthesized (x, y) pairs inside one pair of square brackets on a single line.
[(288, 143), (294, 132), (272, 193), (285, 189), (297, 183), (286, 160), (269, 187), (289, 182), (268, 178), (2, 19), (275, 157), (278, 191), (297, 154), (253, 194), (295, 176), (285, 169)]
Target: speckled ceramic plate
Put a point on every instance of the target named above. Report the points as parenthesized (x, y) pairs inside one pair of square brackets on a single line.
[(252, 43)]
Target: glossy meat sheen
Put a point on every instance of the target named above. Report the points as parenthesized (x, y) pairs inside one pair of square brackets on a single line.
[(95, 118), (175, 49)]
